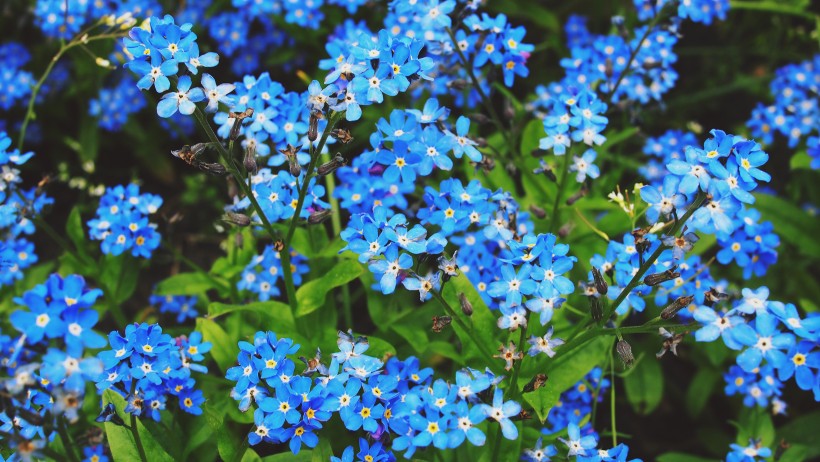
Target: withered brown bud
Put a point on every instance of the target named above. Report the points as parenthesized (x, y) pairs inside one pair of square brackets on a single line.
[(537, 382), (458, 84), (595, 309), (523, 415), (624, 350), (478, 118), (41, 185), (278, 245), (331, 166), (237, 123), (487, 164), (480, 142), (712, 296), (250, 160), (577, 196), (342, 135), (663, 276), (538, 211), (466, 306), (670, 342), (677, 305), (233, 188), (608, 68), (237, 219), (313, 126), (319, 216), (440, 322), (564, 230), (546, 169), (212, 168), (509, 110), (600, 283)]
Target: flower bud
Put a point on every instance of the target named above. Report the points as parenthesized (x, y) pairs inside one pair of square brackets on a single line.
[(537, 382), (624, 350), (331, 166), (237, 123), (677, 305), (577, 196), (237, 219), (319, 216), (440, 322), (466, 306), (313, 126), (595, 309), (250, 160), (538, 211), (663, 276), (600, 283)]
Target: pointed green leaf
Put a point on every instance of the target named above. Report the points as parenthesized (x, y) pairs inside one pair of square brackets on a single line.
[(312, 294)]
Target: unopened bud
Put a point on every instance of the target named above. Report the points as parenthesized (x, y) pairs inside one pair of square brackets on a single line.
[(440, 322), (466, 306), (608, 70), (564, 230), (319, 216), (545, 168), (237, 219), (624, 350), (331, 166), (250, 160), (677, 305), (577, 196), (595, 309), (600, 283), (212, 168), (313, 126), (663, 276), (478, 118), (537, 382), (538, 211)]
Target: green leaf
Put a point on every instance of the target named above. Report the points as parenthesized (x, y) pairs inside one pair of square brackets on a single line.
[(681, 457), (304, 455), (482, 322), (564, 372), (415, 336), (700, 389), (76, 233), (644, 386), (755, 423), (803, 430), (186, 284), (277, 312), (791, 223), (531, 137), (120, 439), (312, 294), (118, 276), (224, 349), (800, 160)]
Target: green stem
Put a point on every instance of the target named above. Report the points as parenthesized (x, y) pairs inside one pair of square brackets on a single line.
[(284, 254), (453, 314), (35, 90), (336, 222), (559, 195), (68, 442), (135, 431), (612, 402)]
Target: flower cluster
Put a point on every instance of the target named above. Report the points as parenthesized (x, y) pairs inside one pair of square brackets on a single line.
[(795, 112), (182, 307), (764, 330), (146, 367), (17, 207), (157, 54), (46, 367), (700, 11), (574, 116), (122, 221), (264, 271), (395, 403), (114, 105), (15, 83)]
